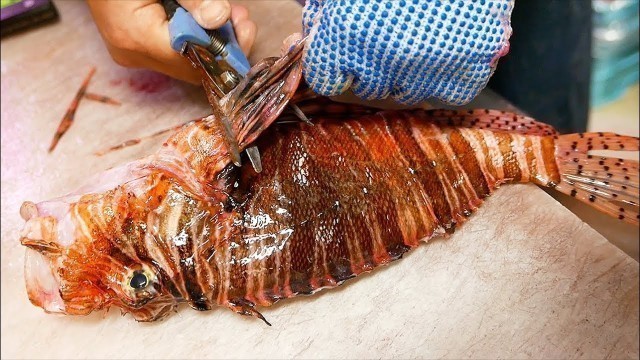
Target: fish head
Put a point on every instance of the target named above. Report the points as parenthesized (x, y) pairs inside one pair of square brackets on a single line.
[(83, 255)]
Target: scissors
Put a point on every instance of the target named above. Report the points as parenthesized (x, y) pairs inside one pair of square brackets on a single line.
[(219, 54)]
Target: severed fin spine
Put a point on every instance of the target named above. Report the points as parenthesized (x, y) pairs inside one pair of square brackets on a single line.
[(607, 184)]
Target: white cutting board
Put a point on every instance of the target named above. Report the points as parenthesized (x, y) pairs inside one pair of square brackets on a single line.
[(524, 278)]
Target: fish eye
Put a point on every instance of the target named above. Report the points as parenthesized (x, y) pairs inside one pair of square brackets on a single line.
[(139, 280)]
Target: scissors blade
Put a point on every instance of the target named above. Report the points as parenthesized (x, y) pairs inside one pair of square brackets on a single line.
[(254, 156)]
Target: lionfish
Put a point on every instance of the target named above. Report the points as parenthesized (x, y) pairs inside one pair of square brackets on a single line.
[(353, 191)]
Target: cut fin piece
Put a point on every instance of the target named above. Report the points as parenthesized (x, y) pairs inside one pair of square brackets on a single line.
[(101, 98), (491, 120), (607, 184), (69, 116), (135, 141)]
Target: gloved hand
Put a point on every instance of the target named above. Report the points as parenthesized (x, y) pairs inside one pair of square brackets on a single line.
[(410, 49)]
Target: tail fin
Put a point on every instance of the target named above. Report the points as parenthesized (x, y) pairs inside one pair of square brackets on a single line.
[(607, 184)]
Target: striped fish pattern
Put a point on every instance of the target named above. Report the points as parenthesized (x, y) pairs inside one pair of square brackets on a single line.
[(334, 200)]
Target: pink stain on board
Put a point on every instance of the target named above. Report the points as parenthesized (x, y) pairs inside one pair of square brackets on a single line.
[(149, 82), (144, 81)]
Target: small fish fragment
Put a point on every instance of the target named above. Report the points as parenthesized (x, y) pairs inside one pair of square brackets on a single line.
[(102, 99), (69, 116), (135, 141)]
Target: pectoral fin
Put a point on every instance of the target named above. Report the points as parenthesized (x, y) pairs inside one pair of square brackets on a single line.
[(246, 307)]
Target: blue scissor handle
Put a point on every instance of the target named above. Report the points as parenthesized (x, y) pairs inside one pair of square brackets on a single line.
[(235, 57), (183, 28)]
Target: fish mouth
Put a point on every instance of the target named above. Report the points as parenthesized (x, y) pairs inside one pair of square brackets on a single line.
[(46, 234), (43, 286)]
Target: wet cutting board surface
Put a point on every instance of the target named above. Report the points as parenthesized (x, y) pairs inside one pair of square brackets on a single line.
[(524, 278)]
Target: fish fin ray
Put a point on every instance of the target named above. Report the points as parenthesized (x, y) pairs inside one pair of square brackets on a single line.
[(583, 142), (496, 120), (263, 94), (247, 308), (323, 107), (607, 184)]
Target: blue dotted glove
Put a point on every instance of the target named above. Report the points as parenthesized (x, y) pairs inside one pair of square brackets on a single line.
[(410, 49)]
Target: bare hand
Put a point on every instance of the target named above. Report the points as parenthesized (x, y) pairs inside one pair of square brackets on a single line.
[(136, 32)]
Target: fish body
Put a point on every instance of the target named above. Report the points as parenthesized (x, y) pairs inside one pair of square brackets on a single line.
[(354, 191)]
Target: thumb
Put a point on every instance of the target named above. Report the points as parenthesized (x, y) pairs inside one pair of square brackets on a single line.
[(210, 14), (154, 52)]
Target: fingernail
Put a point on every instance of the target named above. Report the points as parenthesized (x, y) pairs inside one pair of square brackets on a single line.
[(213, 13)]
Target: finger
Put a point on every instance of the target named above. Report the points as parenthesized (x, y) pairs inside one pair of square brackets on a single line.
[(239, 12), (210, 14), (246, 31), (155, 49), (244, 28), (133, 59), (108, 17), (177, 71), (142, 41)]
